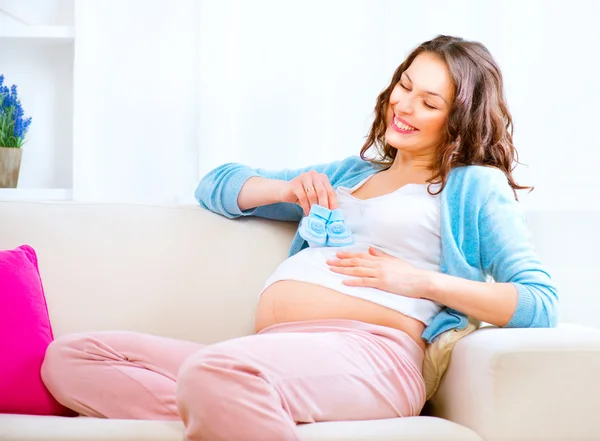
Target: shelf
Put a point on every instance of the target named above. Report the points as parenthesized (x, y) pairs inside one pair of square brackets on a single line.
[(37, 43), (40, 33), (35, 194)]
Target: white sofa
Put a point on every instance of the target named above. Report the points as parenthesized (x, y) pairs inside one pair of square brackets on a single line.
[(186, 273)]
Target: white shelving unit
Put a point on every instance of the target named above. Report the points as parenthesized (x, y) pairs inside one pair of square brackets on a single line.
[(40, 33), (37, 53), (32, 194)]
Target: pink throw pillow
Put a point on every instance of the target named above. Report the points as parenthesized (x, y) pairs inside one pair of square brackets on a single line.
[(25, 333)]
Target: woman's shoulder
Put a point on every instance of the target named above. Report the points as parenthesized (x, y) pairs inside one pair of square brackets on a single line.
[(357, 163), (478, 173), (475, 185), (349, 169), (478, 178)]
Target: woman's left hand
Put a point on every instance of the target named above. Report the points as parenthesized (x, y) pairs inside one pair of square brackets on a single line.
[(382, 271)]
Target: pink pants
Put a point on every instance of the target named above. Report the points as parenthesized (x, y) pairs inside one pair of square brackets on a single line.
[(251, 388)]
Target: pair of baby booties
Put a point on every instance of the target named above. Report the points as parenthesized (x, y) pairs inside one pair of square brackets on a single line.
[(325, 227)]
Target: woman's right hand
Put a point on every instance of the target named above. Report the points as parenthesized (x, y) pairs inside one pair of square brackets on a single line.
[(308, 189)]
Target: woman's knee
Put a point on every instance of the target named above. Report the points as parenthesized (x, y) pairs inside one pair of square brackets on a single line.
[(60, 360), (205, 376), (223, 393), (202, 369)]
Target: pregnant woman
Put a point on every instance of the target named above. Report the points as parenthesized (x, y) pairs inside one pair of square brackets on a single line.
[(402, 243)]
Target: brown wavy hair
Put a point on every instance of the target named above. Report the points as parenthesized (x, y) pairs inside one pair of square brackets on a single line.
[(479, 128)]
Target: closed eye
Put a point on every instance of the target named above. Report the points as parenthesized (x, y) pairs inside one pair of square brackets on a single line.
[(424, 102)]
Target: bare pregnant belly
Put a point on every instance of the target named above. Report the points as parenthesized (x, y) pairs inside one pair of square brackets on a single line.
[(293, 301)]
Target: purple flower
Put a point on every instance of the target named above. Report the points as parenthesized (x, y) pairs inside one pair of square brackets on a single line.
[(13, 125)]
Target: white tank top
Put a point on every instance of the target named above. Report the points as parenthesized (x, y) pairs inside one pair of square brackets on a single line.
[(404, 223)]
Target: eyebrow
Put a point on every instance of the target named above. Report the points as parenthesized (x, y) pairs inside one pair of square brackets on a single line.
[(427, 91)]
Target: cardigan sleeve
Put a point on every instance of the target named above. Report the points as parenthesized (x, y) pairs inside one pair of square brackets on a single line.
[(218, 191), (508, 255)]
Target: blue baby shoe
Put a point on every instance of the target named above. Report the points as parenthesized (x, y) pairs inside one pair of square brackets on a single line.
[(338, 235), (313, 227)]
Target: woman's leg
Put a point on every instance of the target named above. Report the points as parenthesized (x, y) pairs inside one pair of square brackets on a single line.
[(124, 375), (260, 386)]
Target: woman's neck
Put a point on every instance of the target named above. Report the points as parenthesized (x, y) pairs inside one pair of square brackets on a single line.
[(417, 169)]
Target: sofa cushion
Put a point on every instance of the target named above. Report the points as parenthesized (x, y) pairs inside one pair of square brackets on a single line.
[(25, 333)]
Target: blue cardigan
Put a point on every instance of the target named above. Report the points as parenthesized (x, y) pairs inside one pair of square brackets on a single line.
[(483, 231)]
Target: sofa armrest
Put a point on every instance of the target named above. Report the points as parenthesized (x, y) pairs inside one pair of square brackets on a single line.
[(524, 384)]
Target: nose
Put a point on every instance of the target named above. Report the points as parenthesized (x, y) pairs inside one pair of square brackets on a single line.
[(404, 106)]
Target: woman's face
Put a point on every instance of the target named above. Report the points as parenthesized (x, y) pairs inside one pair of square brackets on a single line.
[(419, 106)]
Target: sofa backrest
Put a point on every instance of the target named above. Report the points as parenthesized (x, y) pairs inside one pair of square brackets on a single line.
[(188, 273), (180, 272)]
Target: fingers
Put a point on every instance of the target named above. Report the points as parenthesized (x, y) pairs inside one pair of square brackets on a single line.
[(350, 255), (354, 271), (333, 203), (300, 192), (330, 192), (371, 282), (378, 253), (327, 193), (352, 262), (321, 194), (309, 190), (312, 188)]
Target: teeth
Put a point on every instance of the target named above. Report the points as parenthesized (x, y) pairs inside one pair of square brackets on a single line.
[(402, 125)]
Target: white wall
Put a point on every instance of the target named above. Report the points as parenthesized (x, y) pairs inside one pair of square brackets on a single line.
[(568, 243), (40, 12), (135, 100)]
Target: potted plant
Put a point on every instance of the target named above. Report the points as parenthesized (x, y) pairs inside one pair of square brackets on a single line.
[(13, 127)]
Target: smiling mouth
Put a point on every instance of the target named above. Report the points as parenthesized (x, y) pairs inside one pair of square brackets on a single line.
[(403, 127)]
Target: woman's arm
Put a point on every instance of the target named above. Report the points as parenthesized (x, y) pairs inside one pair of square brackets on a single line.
[(234, 190), (493, 303), (258, 191), (524, 295)]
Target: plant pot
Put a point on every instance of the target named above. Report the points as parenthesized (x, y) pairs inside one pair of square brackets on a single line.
[(10, 164)]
